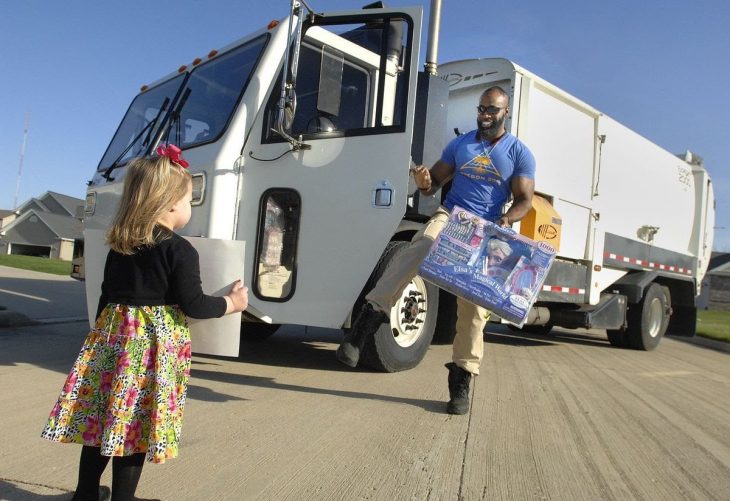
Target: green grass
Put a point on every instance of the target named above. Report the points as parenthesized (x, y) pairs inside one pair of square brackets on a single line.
[(714, 324), (42, 264)]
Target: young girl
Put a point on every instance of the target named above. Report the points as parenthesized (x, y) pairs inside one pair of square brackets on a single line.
[(125, 394)]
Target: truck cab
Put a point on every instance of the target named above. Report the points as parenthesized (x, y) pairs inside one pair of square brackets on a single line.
[(299, 143)]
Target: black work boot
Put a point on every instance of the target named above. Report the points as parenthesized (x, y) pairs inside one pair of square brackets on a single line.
[(458, 389), (366, 324)]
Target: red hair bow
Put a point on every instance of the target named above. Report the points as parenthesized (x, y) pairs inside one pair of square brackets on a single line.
[(173, 153)]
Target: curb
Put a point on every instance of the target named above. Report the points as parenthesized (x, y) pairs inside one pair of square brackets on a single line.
[(704, 342)]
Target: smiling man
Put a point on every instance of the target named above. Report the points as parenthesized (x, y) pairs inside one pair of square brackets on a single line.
[(487, 166)]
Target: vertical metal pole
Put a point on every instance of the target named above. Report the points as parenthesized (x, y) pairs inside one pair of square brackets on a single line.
[(22, 154), (434, 24)]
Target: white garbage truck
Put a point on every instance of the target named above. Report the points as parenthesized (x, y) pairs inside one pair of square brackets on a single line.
[(300, 137)]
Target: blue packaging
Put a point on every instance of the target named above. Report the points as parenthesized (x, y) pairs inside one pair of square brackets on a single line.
[(490, 266)]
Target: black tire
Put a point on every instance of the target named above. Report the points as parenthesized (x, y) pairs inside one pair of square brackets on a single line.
[(257, 331), (403, 343), (446, 320), (618, 338), (648, 319)]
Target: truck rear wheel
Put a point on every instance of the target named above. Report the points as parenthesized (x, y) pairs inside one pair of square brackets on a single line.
[(648, 319), (403, 343)]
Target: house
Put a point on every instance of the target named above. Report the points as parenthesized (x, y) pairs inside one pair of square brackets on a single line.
[(47, 226), (719, 280)]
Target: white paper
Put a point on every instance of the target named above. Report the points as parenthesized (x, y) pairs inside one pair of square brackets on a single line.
[(221, 264)]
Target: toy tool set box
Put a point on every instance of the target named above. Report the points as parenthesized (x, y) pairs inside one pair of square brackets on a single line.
[(488, 265)]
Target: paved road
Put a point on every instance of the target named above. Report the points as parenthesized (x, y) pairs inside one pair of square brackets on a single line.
[(42, 296), (563, 418)]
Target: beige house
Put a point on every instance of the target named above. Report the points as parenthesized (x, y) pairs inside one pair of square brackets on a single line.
[(47, 226), (6, 217)]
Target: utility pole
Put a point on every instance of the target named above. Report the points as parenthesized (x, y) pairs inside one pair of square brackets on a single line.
[(22, 154)]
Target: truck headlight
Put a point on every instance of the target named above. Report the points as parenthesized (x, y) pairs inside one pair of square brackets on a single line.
[(198, 189), (90, 205)]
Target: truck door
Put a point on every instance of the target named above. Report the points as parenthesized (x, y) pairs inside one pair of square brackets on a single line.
[(318, 217)]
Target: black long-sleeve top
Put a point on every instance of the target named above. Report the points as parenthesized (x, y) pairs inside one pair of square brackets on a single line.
[(167, 273)]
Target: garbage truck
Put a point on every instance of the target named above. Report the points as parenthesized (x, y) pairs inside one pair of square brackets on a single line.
[(300, 137)]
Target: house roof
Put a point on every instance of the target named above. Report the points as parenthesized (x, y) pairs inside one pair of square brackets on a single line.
[(62, 226), (6, 213), (24, 207), (67, 202)]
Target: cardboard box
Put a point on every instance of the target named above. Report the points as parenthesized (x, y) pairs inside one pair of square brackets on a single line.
[(491, 266), (542, 223)]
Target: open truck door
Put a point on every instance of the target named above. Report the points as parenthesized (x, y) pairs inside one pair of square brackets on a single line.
[(319, 202)]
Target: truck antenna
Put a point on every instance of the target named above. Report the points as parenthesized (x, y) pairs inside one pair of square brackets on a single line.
[(22, 155)]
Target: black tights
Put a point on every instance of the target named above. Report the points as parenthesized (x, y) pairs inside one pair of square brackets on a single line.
[(126, 471)]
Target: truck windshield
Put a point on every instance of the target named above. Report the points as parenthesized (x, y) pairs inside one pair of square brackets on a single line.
[(200, 111), (213, 92), (135, 127)]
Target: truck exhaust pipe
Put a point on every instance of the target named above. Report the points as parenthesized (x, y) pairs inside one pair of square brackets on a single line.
[(432, 53)]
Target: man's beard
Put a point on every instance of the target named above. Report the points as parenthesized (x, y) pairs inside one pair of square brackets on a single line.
[(491, 131)]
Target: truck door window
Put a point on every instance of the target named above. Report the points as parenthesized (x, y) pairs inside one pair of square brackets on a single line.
[(276, 244), (350, 80)]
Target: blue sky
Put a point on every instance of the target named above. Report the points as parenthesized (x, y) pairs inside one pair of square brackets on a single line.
[(659, 67)]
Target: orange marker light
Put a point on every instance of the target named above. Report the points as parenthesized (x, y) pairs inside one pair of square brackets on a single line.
[(273, 24), (182, 68), (196, 61), (143, 88), (212, 53)]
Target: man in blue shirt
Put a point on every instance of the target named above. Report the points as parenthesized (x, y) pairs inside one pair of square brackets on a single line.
[(487, 166)]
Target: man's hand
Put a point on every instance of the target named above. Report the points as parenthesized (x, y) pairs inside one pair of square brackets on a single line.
[(503, 222), (422, 177)]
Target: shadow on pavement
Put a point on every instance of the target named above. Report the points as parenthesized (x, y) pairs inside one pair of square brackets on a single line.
[(501, 334), (11, 491), (435, 406)]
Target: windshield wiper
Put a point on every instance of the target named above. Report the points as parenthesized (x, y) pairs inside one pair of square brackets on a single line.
[(175, 119), (148, 129)]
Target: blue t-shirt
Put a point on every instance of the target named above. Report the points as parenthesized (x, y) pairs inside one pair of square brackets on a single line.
[(483, 172)]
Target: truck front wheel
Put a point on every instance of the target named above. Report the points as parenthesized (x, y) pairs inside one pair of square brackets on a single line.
[(403, 343)]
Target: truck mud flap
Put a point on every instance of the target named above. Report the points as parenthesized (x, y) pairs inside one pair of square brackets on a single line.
[(683, 321)]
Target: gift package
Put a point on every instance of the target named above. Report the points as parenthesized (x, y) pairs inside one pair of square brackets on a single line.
[(486, 264)]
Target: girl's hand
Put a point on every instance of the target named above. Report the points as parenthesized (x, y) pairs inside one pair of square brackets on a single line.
[(237, 298)]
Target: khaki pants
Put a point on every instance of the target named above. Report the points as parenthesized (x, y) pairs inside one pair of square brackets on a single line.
[(468, 346)]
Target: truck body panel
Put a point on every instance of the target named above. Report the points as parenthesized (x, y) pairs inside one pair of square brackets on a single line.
[(625, 203)]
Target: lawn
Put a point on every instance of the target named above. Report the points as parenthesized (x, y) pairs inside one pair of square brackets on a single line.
[(42, 264), (714, 324)]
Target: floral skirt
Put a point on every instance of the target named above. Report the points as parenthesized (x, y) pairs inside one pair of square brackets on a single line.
[(126, 391)]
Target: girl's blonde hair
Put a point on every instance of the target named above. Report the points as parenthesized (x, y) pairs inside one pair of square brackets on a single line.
[(151, 187)]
